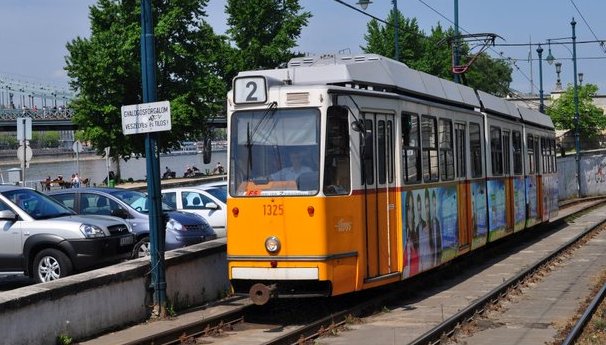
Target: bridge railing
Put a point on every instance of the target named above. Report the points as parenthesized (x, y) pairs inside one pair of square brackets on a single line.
[(47, 113)]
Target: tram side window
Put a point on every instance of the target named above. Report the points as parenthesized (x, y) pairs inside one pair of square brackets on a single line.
[(430, 148), (545, 155), (537, 155), (517, 153), (336, 165), (410, 148), (496, 151), (446, 152), (390, 151), (460, 150), (553, 155), (530, 153), (381, 146), (506, 153), (367, 148), (475, 149)]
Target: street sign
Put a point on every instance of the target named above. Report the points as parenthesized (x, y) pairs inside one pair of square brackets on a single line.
[(146, 118), (24, 153), (24, 128), (77, 146)]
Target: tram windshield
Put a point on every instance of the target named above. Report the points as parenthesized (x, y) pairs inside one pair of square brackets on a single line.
[(275, 152)]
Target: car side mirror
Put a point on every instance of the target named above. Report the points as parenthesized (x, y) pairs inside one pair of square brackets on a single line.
[(211, 205), (8, 215), (120, 213)]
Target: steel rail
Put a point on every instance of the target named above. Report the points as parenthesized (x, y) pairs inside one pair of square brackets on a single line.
[(577, 330), (449, 326)]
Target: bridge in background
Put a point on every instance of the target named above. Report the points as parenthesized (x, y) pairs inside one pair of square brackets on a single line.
[(46, 105)]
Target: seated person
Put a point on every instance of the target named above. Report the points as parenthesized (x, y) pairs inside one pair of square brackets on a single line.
[(292, 172)]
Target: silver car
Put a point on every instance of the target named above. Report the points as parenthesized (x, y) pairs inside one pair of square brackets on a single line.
[(47, 241)]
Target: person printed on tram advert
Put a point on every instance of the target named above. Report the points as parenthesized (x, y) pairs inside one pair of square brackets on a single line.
[(423, 233), (292, 172), (411, 246), (436, 232)]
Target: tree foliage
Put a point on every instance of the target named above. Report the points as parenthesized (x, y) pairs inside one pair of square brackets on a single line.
[(264, 31), (105, 70), (195, 66), (591, 117), (432, 54)]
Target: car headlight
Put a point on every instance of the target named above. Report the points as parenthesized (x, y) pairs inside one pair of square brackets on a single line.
[(174, 225), (91, 231), (272, 244)]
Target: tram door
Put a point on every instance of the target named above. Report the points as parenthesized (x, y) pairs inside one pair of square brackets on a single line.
[(509, 192), (379, 195), (463, 188)]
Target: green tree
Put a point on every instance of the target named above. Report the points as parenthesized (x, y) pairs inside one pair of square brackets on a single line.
[(380, 39), (591, 118), (106, 73), (432, 54), (264, 31)]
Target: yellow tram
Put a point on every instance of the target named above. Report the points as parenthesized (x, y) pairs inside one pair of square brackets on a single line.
[(350, 172)]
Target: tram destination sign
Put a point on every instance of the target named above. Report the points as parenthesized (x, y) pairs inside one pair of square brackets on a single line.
[(146, 118)]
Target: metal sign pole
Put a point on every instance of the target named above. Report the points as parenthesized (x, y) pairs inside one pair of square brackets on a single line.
[(157, 226)]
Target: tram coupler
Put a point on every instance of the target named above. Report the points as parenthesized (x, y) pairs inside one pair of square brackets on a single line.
[(261, 293)]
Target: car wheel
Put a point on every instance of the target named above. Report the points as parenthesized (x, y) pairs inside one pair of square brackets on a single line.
[(51, 264), (141, 249)]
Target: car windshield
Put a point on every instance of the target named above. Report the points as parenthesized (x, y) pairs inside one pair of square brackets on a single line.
[(219, 192), (137, 200), (37, 205)]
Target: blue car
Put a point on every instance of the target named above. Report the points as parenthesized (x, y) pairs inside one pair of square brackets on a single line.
[(182, 228)]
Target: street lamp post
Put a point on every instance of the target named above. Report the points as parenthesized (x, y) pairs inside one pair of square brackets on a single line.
[(396, 28), (558, 67), (576, 104), (541, 103)]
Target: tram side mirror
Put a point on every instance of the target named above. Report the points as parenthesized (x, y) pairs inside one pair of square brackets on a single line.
[(207, 151), (357, 126)]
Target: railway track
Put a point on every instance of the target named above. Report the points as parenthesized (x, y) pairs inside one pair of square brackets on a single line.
[(446, 304)]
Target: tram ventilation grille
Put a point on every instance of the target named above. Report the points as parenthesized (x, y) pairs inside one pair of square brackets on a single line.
[(297, 98)]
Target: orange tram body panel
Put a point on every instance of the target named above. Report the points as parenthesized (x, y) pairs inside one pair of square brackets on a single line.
[(348, 173)]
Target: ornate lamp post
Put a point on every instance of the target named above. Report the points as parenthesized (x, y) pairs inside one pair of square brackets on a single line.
[(558, 67), (541, 103), (364, 5), (576, 104)]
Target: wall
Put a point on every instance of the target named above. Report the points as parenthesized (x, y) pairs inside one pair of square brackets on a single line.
[(94, 302)]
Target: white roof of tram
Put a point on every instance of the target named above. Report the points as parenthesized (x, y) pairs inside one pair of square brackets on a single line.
[(376, 72)]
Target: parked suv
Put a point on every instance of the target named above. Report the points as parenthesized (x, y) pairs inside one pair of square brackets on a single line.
[(182, 229), (48, 241)]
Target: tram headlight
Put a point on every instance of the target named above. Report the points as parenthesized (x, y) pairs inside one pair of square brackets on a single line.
[(272, 244)]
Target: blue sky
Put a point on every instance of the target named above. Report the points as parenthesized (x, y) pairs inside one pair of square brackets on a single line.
[(33, 33)]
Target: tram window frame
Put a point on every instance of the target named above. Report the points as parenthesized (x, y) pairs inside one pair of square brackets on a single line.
[(506, 139), (429, 133), (337, 168), (446, 156), (460, 151), (530, 154), (496, 151), (516, 142), (475, 149), (411, 148)]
